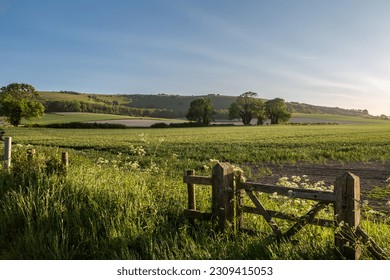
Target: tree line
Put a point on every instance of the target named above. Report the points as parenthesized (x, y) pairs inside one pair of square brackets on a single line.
[(246, 107), (89, 107), (19, 100)]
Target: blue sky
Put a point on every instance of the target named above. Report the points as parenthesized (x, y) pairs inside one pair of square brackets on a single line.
[(331, 53)]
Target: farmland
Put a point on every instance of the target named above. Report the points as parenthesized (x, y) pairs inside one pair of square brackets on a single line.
[(123, 197), (62, 117)]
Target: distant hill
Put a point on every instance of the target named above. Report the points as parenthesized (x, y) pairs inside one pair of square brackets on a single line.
[(161, 105)]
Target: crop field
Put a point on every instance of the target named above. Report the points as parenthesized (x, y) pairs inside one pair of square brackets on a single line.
[(234, 144), (66, 117), (122, 196)]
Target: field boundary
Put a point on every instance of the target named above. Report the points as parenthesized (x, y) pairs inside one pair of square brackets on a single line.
[(229, 190)]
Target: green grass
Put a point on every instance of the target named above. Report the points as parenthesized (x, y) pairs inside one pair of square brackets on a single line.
[(317, 143), (122, 196), (81, 117), (338, 118)]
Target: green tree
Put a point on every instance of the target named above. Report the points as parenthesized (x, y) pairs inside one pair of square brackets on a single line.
[(201, 111), (276, 110), (246, 107), (19, 101)]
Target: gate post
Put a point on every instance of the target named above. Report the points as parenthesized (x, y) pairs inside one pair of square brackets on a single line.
[(191, 191), (223, 196), (347, 214), (7, 152), (65, 159)]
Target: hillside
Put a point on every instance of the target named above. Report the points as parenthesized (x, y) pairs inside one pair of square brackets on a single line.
[(160, 105)]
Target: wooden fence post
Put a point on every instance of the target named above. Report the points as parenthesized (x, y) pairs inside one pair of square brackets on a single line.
[(223, 196), (240, 193), (191, 191), (347, 213), (65, 159), (7, 152)]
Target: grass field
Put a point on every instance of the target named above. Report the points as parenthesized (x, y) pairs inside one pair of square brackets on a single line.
[(122, 196), (64, 117), (234, 144)]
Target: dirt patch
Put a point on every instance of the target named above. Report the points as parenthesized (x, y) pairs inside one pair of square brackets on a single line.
[(373, 176)]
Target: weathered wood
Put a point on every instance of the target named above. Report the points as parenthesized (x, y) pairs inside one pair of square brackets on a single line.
[(372, 246), (223, 195), (191, 191), (347, 214), (228, 206), (198, 180), (261, 210), (65, 159), (290, 192), (240, 203), (196, 214), (7, 152), (284, 216), (304, 220)]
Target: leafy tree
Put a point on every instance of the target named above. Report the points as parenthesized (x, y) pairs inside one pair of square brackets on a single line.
[(19, 101), (276, 110), (201, 111), (261, 114), (247, 107)]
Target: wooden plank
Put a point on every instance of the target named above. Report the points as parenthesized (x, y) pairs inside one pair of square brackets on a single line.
[(262, 211), (198, 180), (240, 202), (196, 214), (304, 220), (223, 195), (347, 213), (279, 215), (290, 192), (372, 246), (191, 191)]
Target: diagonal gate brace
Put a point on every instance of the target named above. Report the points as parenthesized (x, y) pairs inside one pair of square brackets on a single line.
[(304, 220), (262, 211)]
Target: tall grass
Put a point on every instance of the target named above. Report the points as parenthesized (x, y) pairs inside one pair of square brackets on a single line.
[(116, 209)]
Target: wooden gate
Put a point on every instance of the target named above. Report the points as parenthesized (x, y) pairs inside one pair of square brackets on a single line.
[(228, 192)]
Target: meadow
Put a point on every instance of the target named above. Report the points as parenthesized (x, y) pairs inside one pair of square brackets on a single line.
[(67, 117), (122, 196)]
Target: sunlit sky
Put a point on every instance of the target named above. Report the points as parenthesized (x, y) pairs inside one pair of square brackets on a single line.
[(330, 52)]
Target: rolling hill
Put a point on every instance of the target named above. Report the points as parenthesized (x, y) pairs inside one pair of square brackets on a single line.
[(161, 105)]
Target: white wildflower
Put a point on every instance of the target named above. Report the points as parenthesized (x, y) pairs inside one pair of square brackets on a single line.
[(296, 179)]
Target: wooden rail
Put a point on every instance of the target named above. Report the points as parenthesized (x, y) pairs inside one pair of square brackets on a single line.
[(228, 193), (290, 192)]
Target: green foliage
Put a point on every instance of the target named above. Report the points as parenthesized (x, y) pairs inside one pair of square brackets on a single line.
[(94, 125), (276, 111), (19, 101), (246, 107), (104, 108), (201, 111)]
